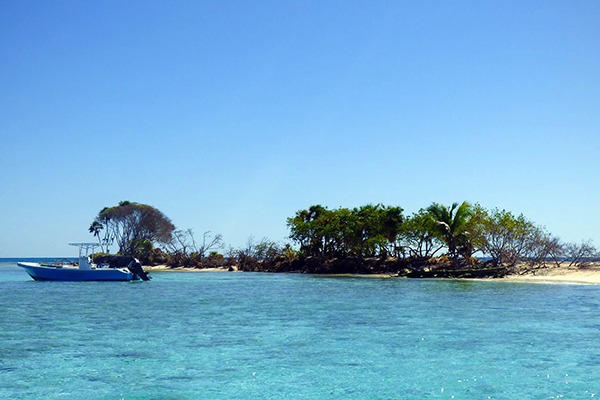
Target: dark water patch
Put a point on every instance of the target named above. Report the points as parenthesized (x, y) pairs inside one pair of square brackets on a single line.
[(176, 378), (590, 360)]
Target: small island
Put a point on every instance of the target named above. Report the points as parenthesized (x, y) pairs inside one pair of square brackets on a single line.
[(458, 241)]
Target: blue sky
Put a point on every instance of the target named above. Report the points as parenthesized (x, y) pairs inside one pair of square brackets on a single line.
[(229, 116)]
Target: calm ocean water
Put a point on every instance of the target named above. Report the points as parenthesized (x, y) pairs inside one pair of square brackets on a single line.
[(277, 336)]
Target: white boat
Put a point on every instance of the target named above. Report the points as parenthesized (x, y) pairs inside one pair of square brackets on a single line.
[(126, 269)]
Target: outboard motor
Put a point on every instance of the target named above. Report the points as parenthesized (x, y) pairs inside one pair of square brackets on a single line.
[(131, 263), (136, 269)]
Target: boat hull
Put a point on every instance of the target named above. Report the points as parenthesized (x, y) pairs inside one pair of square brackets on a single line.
[(51, 273)]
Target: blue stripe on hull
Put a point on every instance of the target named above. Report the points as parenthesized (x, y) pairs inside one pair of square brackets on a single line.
[(80, 280), (40, 273)]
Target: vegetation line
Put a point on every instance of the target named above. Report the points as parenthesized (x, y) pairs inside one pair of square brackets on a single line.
[(461, 240)]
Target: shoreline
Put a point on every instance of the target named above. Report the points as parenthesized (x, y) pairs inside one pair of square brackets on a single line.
[(166, 268), (559, 275), (550, 275)]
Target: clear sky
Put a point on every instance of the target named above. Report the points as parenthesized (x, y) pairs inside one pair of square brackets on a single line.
[(229, 116)]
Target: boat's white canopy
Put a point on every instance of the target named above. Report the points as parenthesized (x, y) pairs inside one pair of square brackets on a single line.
[(85, 248)]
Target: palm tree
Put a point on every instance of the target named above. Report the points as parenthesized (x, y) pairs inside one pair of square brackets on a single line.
[(95, 228), (451, 225)]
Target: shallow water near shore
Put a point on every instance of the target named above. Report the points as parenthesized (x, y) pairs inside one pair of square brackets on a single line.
[(220, 335)]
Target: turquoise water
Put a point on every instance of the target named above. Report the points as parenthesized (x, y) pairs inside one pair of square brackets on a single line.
[(279, 336)]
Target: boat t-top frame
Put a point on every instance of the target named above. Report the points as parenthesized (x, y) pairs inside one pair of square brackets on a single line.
[(85, 250)]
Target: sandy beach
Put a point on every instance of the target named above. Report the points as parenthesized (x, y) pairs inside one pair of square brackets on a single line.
[(166, 268), (560, 275)]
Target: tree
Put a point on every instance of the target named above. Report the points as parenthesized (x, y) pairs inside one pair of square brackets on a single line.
[(391, 222), (509, 238), (541, 247), (185, 251), (580, 255), (267, 250), (419, 236), (376, 230), (451, 224), (95, 228), (143, 250), (209, 244), (130, 223), (309, 229), (367, 231)]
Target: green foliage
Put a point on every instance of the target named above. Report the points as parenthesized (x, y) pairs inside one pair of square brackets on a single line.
[(267, 250), (508, 239), (419, 237), (95, 228), (367, 231), (142, 250), (265, 255), (132, 223), (451, 224), (505, 237), (346, 238)]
